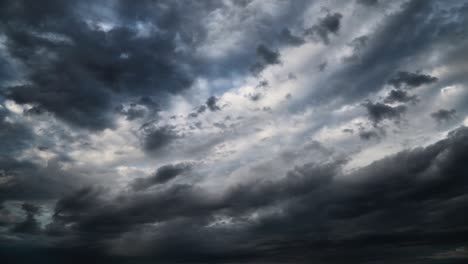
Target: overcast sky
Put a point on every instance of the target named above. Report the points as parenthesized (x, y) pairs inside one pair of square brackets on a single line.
[(234, 131)]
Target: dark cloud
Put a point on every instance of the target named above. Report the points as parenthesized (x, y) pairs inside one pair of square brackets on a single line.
[(378, 112), (460, 253), (323, 215), (132, 112), (358, 45), (88, 62), (255, 96), (15, 136), (30, 225), (199, 110), (162, 175), (265, 57), (368, 2), (148, 102), (25, 180), (82, 68), (444, 115), (409, 33), (212, 104), (157, 138), (141, 108), (330, 24), (288, 38), (322, 66), (368, 135), (35, 111), (410, 80), (264, 83), (400, 96)]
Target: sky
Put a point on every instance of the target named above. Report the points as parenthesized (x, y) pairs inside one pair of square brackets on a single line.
[(234, 131)]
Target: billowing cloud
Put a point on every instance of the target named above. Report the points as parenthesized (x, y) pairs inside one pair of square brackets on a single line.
[(407, 184)]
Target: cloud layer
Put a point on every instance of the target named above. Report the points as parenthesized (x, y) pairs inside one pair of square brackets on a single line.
[(233, 131)]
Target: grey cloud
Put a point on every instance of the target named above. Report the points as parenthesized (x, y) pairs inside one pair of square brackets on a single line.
[(157, 138), (162, 175), (337, 212), (148, 102), (35, 110), (397, 36), (78, 81), (27, 180), (266, 57), (212, 104), (411, 80), (378, 112), (288, 38), (132, 113), (322, 66), (444, 115), (263, 83), (145, 106), (358, 44), (30, 225), (330, 24), (400, 96), (199, 110), (368, 2), (368, 135), (255, 97), (85, 63), (15, 136)]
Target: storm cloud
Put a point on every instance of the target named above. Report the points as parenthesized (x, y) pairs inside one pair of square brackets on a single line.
[(233, 131), (408, 185)]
